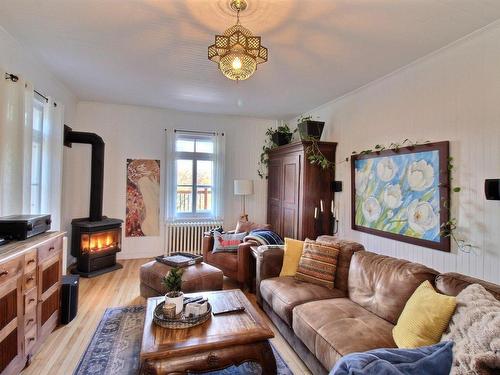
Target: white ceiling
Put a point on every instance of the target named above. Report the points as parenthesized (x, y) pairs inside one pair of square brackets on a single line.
[(154, 52)]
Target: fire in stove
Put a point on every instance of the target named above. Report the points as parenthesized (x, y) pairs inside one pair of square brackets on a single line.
[(100, 241)]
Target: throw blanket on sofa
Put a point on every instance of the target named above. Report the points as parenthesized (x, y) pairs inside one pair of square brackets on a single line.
[(264, 237), (435, 360)]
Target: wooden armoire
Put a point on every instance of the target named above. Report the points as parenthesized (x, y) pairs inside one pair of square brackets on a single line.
[(295, 189)]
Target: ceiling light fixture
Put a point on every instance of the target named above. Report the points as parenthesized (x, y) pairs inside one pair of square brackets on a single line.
[(237, 51)]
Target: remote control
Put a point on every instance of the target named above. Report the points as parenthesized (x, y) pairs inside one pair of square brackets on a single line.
[(235, 309)]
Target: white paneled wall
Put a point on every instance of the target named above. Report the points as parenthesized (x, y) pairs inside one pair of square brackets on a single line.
[(454, 95)]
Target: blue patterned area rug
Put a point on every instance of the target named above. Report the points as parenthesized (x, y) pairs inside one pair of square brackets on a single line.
[(116, 344)]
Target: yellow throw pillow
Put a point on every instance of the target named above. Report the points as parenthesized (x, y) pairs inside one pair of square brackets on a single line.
[(424, 318), (291, 258)]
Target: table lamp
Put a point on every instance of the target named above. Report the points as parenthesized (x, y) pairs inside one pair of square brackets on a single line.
[(243, 188)]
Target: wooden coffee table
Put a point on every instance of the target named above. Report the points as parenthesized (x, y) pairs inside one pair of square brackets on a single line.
[(222, 341)]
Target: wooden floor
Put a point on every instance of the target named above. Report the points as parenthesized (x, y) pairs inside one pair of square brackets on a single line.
[(61, 352)]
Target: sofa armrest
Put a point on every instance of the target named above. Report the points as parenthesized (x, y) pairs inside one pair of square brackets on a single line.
[(207, 244), (269, 261)]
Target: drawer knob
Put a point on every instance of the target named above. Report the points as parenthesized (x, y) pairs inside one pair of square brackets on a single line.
[(51, 248), (30, 321), (31, 300), (31, 261), (31, 278), (31, 339), (4, 272)]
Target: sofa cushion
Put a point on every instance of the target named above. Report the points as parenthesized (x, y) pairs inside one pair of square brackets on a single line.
[(318, 264), (346, 250), (284, 293), (291, 257), (227, 242), (335, 327), (383, 284), (453, 283)]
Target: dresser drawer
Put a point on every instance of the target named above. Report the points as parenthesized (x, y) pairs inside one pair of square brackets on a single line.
[(50, 249), (29, 280), (29, 320), (10, 269), (30, 261), (30, 300), (29, 340)]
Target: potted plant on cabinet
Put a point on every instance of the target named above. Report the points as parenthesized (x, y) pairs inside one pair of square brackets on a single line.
[(280, 136), (173, 282), (310, 129)]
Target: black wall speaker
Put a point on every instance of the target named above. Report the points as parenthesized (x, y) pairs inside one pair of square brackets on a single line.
[(69, 298), (337, 186), (492, 189)]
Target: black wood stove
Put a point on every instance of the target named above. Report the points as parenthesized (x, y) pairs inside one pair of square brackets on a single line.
[(94, 240)]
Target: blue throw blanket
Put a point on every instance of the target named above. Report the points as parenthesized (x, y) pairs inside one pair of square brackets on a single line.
[(264, 237), (432, 360)]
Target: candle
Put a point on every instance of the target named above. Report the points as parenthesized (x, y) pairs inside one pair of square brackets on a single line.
[(315, 212), (332, 208), (321, 204)]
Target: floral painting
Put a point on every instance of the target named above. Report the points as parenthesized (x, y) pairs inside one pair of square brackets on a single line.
[(402, 194), (143, 198)]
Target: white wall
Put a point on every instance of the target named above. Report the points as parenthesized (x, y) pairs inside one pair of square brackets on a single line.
[(139, 132), (454, 95), (19, 61)]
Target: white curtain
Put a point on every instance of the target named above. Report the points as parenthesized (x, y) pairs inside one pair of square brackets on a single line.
[(220, 157), (16, 142), (170, 188), (52, 154), (16, 119)]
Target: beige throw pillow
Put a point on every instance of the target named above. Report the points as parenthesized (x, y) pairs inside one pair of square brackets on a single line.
[(475, 329)]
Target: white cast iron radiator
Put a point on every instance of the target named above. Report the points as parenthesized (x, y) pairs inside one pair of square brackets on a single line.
[(187, 236)]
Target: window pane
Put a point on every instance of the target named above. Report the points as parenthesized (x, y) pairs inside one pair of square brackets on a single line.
[(184, 172), (205, 145), (204, 172), (184, 145), (184, 199), (203, 199)]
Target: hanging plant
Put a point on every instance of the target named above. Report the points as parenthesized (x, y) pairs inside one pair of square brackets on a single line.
[(280, 136)]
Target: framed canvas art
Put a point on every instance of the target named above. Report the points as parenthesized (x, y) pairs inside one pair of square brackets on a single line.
[(143, 198), (403, 194)]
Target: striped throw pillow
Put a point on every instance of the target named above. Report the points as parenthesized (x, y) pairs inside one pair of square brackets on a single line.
[(318, 264)]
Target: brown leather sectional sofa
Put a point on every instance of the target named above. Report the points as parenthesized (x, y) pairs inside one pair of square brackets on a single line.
[(371, 290)]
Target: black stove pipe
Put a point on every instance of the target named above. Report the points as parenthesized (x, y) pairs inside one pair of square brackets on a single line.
[(97, 171)]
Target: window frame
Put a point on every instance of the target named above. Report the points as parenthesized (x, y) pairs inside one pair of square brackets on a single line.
[(194, 157)]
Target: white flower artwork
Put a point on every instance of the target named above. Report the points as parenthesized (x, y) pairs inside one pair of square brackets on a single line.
[(421, 216), (420, 175), (401, 194), (386, 169), (393, 197), (371, 209)]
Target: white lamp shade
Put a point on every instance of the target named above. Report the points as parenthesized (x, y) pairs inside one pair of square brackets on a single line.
[(243, 187)]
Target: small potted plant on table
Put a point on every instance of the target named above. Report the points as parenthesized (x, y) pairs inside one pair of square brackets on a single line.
[(173, 282)]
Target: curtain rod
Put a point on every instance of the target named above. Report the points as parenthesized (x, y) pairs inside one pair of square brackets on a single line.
[(195, 132), (15, 78)]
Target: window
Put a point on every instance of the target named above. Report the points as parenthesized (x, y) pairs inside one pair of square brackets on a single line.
[(36, 155), (195, 162)]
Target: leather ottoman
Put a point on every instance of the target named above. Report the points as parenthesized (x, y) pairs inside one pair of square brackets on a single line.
[(197, 278)]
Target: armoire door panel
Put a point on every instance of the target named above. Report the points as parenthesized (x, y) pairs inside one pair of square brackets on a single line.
[(289, 222), (290, 180)]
